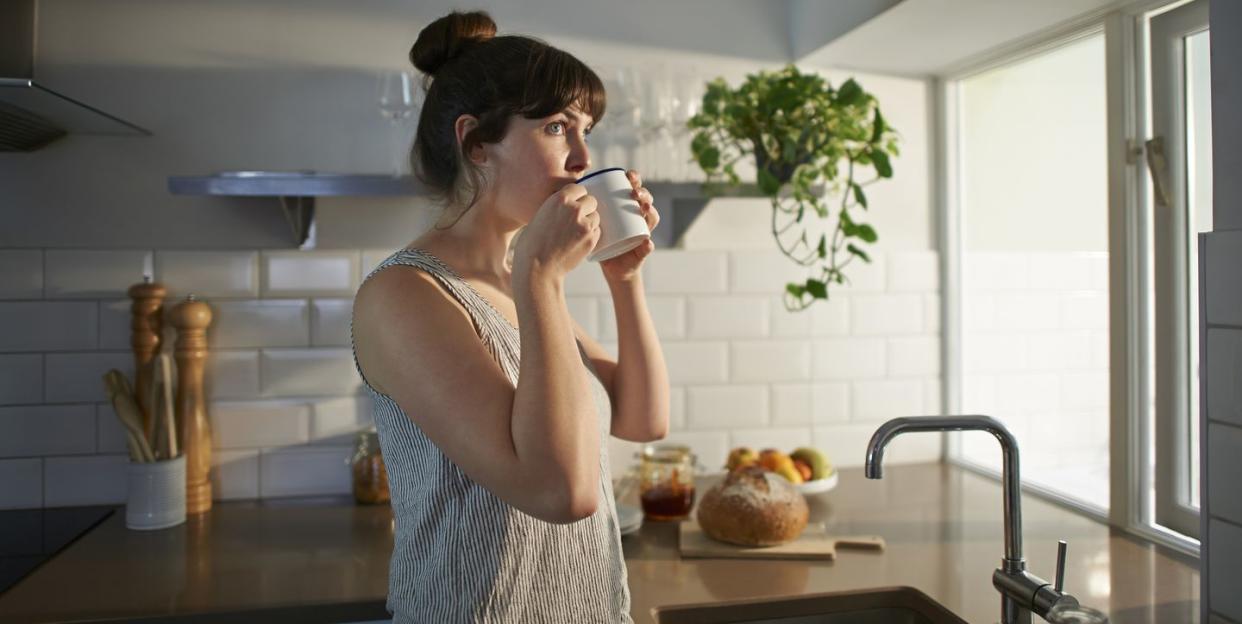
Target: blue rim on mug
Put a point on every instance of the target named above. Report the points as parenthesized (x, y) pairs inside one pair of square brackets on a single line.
[(592, 175)]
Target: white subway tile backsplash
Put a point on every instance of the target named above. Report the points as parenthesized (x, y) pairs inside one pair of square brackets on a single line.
[(1084, 310), (721, 407), (872, 315), (848, 358), (668, 315), (109, 433), (585, 310), (791, 324), (831, 317), (330, 319), (586, 279), (307, 372), (1061, 271), (676, 408), (916, 271), (21, 378), (308, 273), (830, 403), (91, 480), (232, 374), (882, 399), (48, 325), (208, 274), (304, 471), (697, 362), (784, 439), (21, 483), (932, 402), (711, 448), (770, 361), (1225, 467), (337, 421), (994, 352), (1028, 391), (863, 277), (115, 319), (762, 272), (21, 274), (1023, 311), (261, 323), (1062, 350), (931, 313), (686, 272), (234, 474), (78, 377), (372, 258), (1084, 390), (1224, 375), (1224, 568), (846, 445), (791, 404), (989, 271), (1223, 280), (92, 274), (918, 355), (253, 424)]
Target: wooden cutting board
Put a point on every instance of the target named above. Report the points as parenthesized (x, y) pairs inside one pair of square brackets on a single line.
[(814, 543)]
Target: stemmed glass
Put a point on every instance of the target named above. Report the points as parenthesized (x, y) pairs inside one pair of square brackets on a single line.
[(398, 95)]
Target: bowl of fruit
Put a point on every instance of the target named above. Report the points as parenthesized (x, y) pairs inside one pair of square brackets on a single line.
[(806, 467)]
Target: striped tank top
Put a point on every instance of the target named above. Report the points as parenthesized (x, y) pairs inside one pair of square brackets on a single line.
[(460, 553)]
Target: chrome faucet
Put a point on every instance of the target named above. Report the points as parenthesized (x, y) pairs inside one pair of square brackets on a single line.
[(1022, 593)]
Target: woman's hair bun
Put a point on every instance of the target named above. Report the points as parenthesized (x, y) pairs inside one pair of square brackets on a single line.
[(446, 38)]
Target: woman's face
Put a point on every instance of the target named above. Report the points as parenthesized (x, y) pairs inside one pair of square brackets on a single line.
[(536, 158)]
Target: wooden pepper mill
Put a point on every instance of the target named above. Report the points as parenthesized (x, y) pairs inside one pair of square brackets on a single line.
[(191, 318), (147, 325)]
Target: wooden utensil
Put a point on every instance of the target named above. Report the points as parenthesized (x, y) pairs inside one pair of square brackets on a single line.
[(146, 325), (814, 543), (164, 405), (191, 318), (119, 394)]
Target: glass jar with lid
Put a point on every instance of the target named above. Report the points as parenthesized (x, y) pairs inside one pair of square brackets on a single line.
[(370, 478), (666, 481)]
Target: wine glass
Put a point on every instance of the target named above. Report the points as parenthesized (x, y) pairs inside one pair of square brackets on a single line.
[(398, 92)]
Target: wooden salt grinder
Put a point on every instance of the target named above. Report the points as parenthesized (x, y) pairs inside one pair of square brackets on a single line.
[(147, 326), (191, 318)]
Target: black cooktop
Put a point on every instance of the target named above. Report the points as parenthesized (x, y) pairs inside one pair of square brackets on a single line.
[(28, 537)]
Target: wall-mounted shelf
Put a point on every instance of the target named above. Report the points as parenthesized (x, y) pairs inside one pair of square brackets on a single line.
[(296, 190), (680, 203)]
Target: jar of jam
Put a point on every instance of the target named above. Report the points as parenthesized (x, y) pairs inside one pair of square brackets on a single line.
[(666, 481), (370, 478)]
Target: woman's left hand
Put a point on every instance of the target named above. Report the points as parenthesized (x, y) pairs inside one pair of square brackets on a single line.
[(625, 267)]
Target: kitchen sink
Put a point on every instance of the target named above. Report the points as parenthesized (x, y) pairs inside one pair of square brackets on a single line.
[(889, 605)]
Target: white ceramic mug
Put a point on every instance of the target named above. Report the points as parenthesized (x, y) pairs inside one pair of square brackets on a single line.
[(621, 224), (156, 494)]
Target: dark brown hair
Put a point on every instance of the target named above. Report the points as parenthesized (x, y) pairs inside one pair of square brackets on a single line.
[(472, 71)]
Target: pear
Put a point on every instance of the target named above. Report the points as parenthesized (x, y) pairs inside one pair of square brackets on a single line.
[(820, 466)]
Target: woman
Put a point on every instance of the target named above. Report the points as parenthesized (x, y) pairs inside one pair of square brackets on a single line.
[(493, 406)]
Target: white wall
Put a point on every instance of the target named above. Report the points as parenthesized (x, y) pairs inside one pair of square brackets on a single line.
[(232, 85), (1221, 359)]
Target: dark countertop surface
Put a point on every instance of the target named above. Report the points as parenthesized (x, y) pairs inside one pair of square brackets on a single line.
[(326, 560)]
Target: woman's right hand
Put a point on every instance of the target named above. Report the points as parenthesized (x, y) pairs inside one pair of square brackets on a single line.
[(563, 232)]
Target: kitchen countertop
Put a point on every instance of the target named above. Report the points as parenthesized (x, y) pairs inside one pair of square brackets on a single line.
[(326, 560)]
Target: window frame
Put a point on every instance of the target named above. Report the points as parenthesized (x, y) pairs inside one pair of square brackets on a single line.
[(1129, 239)]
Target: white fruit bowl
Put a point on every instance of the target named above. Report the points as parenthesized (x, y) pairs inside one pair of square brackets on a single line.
[(819, 486)]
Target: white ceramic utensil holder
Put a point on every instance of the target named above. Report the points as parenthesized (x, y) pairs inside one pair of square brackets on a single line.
[(156, 493)]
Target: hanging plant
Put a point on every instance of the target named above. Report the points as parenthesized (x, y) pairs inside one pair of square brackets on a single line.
[(810, 143)]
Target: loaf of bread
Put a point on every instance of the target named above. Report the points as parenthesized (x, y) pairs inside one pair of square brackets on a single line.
[(753, 507)]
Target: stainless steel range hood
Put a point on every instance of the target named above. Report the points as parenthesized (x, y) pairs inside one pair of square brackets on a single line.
[(32, 114)]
